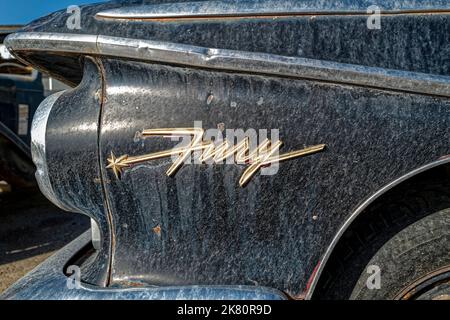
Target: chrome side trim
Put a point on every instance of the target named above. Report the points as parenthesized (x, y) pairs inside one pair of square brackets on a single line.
[(242, 8), (230, 60), (52, 42), (358, 211)]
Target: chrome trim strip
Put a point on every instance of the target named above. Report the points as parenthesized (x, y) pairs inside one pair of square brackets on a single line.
[(51, 42), (231, 60), (359, 210), (242, 8)]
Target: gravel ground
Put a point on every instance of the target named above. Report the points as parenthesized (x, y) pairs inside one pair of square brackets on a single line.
[(31, 229)]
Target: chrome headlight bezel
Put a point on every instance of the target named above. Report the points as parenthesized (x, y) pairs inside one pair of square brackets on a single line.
[(38, 148)]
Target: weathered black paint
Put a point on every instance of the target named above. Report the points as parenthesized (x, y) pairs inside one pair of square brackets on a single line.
[(72, 155), (213, 231)]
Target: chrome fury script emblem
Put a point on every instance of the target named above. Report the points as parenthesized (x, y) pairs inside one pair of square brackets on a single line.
[(265, 154)]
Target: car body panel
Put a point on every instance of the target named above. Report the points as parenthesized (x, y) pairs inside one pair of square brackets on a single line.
[(378, 100)]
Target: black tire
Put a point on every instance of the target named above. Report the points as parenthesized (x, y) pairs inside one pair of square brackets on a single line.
[(408, 240)]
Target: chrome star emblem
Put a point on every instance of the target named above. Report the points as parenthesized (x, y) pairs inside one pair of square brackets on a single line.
[(117, 164)]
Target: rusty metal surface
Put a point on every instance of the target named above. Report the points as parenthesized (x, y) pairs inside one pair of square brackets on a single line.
[(435, 285)]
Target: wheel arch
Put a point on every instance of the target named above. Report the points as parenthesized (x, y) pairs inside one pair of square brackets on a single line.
[(422, 173)]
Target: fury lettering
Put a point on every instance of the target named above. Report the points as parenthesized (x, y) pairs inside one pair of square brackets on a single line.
[(265, 154)]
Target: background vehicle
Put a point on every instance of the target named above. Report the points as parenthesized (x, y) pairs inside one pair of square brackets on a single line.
[(21, 91), (376, 198)]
